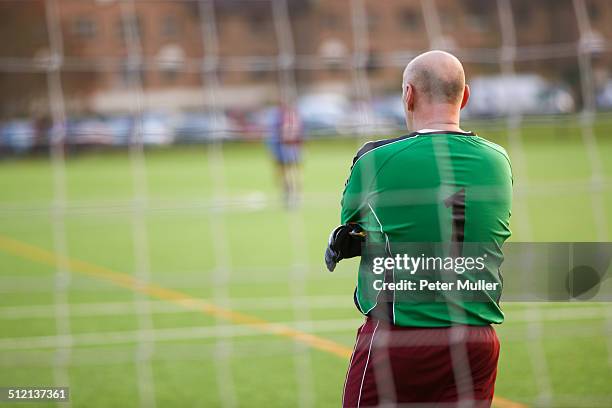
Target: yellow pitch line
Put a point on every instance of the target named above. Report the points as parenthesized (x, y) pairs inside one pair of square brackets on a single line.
[(43, 256), (124, 280), (502, 402)]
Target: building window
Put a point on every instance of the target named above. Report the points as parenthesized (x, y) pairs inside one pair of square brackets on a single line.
[(333, 51), (410, 19), (257, 23), (258, 71), (132, 76), (330, 21), (170, 27), (447, 19), (372, 20), (477, 22), (593, 11), (170, 75), (522, 15), (258, 75), (170, 58), (84, 27), (130, 27), (478, 14), (373, 63)]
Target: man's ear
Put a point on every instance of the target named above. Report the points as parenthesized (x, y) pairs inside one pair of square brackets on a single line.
[(466, 96), (409, 98)]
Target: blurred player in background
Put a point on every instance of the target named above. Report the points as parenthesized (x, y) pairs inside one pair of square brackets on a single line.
[(285, 143), (438, 184)]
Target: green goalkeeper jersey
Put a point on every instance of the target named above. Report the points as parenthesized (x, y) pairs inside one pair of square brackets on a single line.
[(431, 187)]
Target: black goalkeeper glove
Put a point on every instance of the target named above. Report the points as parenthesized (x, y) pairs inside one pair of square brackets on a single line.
[(344, 242)]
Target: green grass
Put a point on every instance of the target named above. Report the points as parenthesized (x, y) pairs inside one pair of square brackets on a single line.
[(190, 242)]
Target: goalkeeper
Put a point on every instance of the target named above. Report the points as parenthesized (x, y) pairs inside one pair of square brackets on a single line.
[(437, 184)]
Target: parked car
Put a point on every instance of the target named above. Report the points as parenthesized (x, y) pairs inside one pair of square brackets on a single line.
[(362, 118), (501, 95), (604, 96), (121, 128), (197, 127), (323, 112), (391, 109), (17, 136), (90, 131), (156, 128)]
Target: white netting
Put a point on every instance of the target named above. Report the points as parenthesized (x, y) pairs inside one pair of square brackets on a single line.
[(357, 64)]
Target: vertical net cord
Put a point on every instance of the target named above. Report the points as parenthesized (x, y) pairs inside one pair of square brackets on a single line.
[(381, 365), (458, 335), (433, 27), (590, 140), (58, 63), (221, 250), (607, 332), (535, 345), (61, 374), (299, 268), (145, 346), (383, 375), (588, 117), (359, 61), (514, 119)]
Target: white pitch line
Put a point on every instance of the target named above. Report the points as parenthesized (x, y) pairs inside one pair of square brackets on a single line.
[(254, 201), (276, 303), (201, 352), (101, 338), (113, 308), (172, 277), (168, 334)]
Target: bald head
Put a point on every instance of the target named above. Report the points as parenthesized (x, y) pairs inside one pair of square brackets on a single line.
[(436, 76)]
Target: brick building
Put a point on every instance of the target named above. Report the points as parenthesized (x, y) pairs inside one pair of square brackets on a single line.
[(160, 46)]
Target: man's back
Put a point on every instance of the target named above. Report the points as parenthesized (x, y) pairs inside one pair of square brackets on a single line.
[(431, 187), (427, 196)]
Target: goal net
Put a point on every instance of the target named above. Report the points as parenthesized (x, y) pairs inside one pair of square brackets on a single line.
[(145, 256)]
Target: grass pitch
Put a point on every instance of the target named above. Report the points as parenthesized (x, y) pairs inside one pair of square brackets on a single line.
[(214, 228)]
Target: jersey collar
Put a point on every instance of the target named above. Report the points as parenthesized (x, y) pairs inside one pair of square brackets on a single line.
[(443, 132)]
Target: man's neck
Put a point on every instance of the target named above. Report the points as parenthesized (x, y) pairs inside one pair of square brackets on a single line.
[(440, 117), (452, 127)]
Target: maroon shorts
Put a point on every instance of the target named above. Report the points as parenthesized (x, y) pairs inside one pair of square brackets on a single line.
[(438, 367)]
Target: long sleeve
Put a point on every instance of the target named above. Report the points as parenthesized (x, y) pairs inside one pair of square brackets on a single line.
[(354, 198)]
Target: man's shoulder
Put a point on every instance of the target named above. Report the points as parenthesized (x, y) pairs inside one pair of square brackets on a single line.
[(376, 144), (494, 147)]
